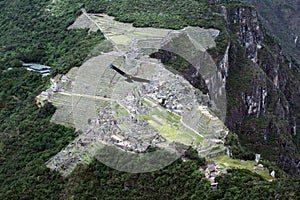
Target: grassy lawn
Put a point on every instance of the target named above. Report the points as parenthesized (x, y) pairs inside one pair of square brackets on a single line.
[(218, 149), (198, 138), (168, 125), (148, 102), (177, 117), (146, 117), (165, 116), (173, 133), (228, 162), (120, 111), (120, 39)]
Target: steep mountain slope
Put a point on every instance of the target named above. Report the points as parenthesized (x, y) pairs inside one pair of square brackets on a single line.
[(261, 85), (263, 91), (282, 18)]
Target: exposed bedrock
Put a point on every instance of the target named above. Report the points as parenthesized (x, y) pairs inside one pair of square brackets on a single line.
[(261, 88), (262, 91)]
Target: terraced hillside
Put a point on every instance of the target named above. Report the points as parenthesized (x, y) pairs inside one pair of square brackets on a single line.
[(113, 111)]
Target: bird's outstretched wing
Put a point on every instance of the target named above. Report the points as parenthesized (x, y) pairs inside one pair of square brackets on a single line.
[(129, 78), (117, 69), (142, 80)]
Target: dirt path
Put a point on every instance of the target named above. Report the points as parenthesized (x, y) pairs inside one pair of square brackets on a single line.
[(86, 96)]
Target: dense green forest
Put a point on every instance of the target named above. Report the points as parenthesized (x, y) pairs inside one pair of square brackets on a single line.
[(33, 31)]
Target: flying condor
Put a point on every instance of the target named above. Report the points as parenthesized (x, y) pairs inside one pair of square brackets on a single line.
[(128, 77)]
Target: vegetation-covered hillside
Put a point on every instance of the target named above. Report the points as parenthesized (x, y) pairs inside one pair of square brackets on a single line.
[(32, 32)]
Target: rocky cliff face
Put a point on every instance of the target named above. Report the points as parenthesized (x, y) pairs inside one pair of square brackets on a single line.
[(262, 91), (282, 18), (261, 86)]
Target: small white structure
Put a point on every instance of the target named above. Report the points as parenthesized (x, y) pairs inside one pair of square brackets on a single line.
[(257, 157), (259, 167), (273, 174)]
